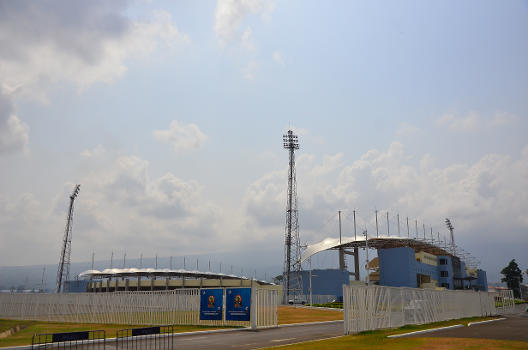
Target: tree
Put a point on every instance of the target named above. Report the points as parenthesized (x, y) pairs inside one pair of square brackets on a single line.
[(513, 277)]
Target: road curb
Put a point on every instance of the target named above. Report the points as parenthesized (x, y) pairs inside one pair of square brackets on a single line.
[(424, 331), (307, 323), (487, 321)]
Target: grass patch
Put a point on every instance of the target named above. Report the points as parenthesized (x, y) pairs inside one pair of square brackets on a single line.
[(23, 337), (335, 305), (294, 314), (377, 340)]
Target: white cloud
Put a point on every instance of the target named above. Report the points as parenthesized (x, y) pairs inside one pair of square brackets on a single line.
[(474, 122), (248, 72), (470, 122), (406, 130), (277, 58), (182, 137), (229, 15), (503, 119), (80, 43), (486, 198), (14, 134), (96, 152), (247, 40)]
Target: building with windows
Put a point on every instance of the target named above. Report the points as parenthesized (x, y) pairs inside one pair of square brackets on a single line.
[(407, 262)]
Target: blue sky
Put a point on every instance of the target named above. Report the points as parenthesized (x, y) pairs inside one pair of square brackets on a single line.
[(170, 114)]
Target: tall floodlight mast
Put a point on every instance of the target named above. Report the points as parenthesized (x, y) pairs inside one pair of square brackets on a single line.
[(451, 229), (292, 243), (63, 272)]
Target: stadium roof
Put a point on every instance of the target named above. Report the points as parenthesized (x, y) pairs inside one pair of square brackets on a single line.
[(149, 272), (380, 242)]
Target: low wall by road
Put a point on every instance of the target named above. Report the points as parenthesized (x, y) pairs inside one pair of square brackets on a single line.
[(377, 307), (176, 307)]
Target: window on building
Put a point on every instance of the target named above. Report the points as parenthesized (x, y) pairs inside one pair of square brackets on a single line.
[(443, 261), (444, 274)]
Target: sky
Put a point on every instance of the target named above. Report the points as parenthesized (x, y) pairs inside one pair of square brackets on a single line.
[(170, 114)]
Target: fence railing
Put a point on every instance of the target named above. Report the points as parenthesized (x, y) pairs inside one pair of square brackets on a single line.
[(176, 307), (376, 307), (70, 340), (150, 338)]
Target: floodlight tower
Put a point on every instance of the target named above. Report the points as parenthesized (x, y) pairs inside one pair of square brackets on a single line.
[(63, 272), (451, 229), (292, 244)]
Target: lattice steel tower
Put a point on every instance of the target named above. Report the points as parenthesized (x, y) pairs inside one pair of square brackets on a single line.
[(292, 244), (63, 272)]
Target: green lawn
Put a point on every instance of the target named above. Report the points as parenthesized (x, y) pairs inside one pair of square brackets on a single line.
[(377, 340), (24, 336)]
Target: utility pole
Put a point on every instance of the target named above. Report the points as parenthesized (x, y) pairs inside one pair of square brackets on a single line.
[(63, 272), (292, 243), (342, 263), (356, 253), (388, 231), (377, 234), (366, 256), (43, 281)]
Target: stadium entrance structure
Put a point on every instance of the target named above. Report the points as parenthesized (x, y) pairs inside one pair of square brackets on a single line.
[(132, 279), (410, 262)]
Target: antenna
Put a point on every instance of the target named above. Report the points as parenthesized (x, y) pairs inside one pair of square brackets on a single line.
[(292, 243), (63, 272), (451, 228)]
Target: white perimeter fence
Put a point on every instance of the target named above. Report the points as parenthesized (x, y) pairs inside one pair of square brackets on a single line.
[(176, 307), (377, 307)]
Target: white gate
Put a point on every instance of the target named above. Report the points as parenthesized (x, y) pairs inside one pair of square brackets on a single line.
[(175, 307), (377, 307)]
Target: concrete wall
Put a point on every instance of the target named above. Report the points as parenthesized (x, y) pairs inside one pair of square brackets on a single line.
[(482, 280), (449, 269), (397, 267)]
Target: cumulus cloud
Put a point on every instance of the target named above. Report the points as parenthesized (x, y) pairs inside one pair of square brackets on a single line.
[(14, 134), (76, 42), (181, 137), (277, 58), (247, 40), (229, 15), (468, 122), (406, 130), (485, 198), (70, 41), (248, 72), (472, 121)]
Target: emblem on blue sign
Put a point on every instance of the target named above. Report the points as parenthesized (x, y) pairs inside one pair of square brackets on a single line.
[(211, 304), (238, 304)]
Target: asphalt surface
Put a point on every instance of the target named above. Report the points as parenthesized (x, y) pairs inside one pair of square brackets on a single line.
[(514, 327), (245, 339)]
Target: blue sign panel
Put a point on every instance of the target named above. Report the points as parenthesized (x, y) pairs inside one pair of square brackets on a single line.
[(211, 304), (238, 304)]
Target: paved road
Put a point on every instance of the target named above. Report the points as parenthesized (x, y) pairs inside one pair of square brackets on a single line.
[(246, 340), (514, 327)]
